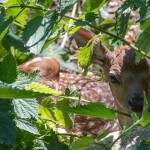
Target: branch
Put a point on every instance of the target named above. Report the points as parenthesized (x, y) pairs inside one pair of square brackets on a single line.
[(91, 25), (114, 36), (27, 6)]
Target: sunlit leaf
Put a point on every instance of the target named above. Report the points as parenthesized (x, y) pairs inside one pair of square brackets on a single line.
[(37, 87), (93, 110), (45, 113), (10, 92), (61, 115), (48, 116), (108, 21), (22, 17), (94, 6), (84, 56)]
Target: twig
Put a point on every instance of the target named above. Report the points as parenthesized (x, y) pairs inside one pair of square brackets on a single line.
[(98, 28), (27, 6), (75, 98), (69, 25), (114, 36)]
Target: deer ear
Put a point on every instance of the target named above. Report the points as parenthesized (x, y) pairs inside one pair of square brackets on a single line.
[(101, 54)]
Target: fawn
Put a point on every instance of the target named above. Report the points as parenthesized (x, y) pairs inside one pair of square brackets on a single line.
[(128, 80), (90, 89)]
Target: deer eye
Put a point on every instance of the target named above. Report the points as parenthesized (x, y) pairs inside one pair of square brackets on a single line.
[(113, 78)]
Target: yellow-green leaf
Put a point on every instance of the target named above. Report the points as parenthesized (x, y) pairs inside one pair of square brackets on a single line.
[(41, 88)]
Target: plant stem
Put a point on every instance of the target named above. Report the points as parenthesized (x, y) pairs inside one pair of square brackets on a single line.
[(98, 28), (27, 6), (124, 132), (74, 98), (122, 113), (114, 36), (67, 134), (18, 14)]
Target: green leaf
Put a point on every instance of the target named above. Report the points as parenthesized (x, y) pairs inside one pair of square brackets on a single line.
[(143, 42), (27, 126), (9, 92), (38, 30), (7, 125), (16, 42), (66, 6), (93, 110), (84, 56), (107, 22), (48, 117), (134, 116), (51, 142), (24, 79), (3, 51), (33, 90), (3, 34), (25, 140), (82, 143), (26, 108), (133, 5), (145, 24), (102, 135), (37, 87), (61, 115), (81, 22), (94, 6), (8, 69), (47, 102), (144, 12), (23, 16), (90, 16), (122, 24), (45, 113), (4, 24), (145, 119)]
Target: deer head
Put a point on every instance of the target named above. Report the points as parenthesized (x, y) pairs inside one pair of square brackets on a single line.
[(128, 80)]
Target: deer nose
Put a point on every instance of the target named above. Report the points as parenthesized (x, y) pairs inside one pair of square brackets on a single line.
[(136, 103)]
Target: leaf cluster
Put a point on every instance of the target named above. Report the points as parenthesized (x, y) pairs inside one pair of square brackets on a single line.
[(32, 27)]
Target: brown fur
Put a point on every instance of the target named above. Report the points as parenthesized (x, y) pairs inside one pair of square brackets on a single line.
[(133, 78), (92, 90), (49, 67)]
